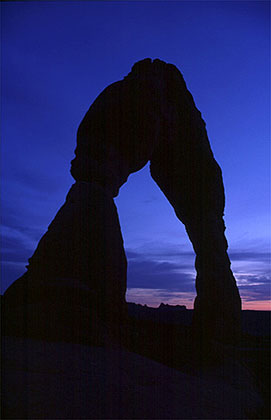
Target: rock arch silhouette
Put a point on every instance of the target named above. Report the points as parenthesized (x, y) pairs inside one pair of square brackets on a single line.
[(80, 263)]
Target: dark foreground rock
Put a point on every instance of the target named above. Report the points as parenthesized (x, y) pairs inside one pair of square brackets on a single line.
[(152, 369), (60, 380)]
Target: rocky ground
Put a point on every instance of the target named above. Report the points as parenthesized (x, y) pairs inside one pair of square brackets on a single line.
[(157, 371), (170, 342)]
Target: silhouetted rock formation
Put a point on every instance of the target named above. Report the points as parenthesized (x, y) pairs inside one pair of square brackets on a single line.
[(171, 308), (80, 262)]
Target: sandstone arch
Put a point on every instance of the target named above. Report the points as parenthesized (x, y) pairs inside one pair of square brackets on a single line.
[(80, 264)]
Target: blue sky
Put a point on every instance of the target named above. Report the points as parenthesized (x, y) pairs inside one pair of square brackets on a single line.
[(58, 56)]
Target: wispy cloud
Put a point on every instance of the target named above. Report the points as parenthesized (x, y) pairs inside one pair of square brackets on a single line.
[(167, 274), (263, 257), (253, 287), (17, 246), (157, 271)]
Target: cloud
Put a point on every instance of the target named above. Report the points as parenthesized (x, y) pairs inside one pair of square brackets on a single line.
[(132, 254), (17, 246), (254, 287), (152, 274), (252, 272), (43, 183), (11, 223), (163, 273), (9, 273), (16, 239), (263, 257), (163, 251), (153, 271)]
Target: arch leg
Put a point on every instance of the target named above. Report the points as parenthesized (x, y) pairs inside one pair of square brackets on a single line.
[(185, 170), (76, 278)]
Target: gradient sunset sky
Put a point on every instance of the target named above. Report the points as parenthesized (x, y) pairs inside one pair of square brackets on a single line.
[(58, 56)]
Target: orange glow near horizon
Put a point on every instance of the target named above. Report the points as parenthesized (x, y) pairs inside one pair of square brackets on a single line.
[(154, 297), (256, 305)]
